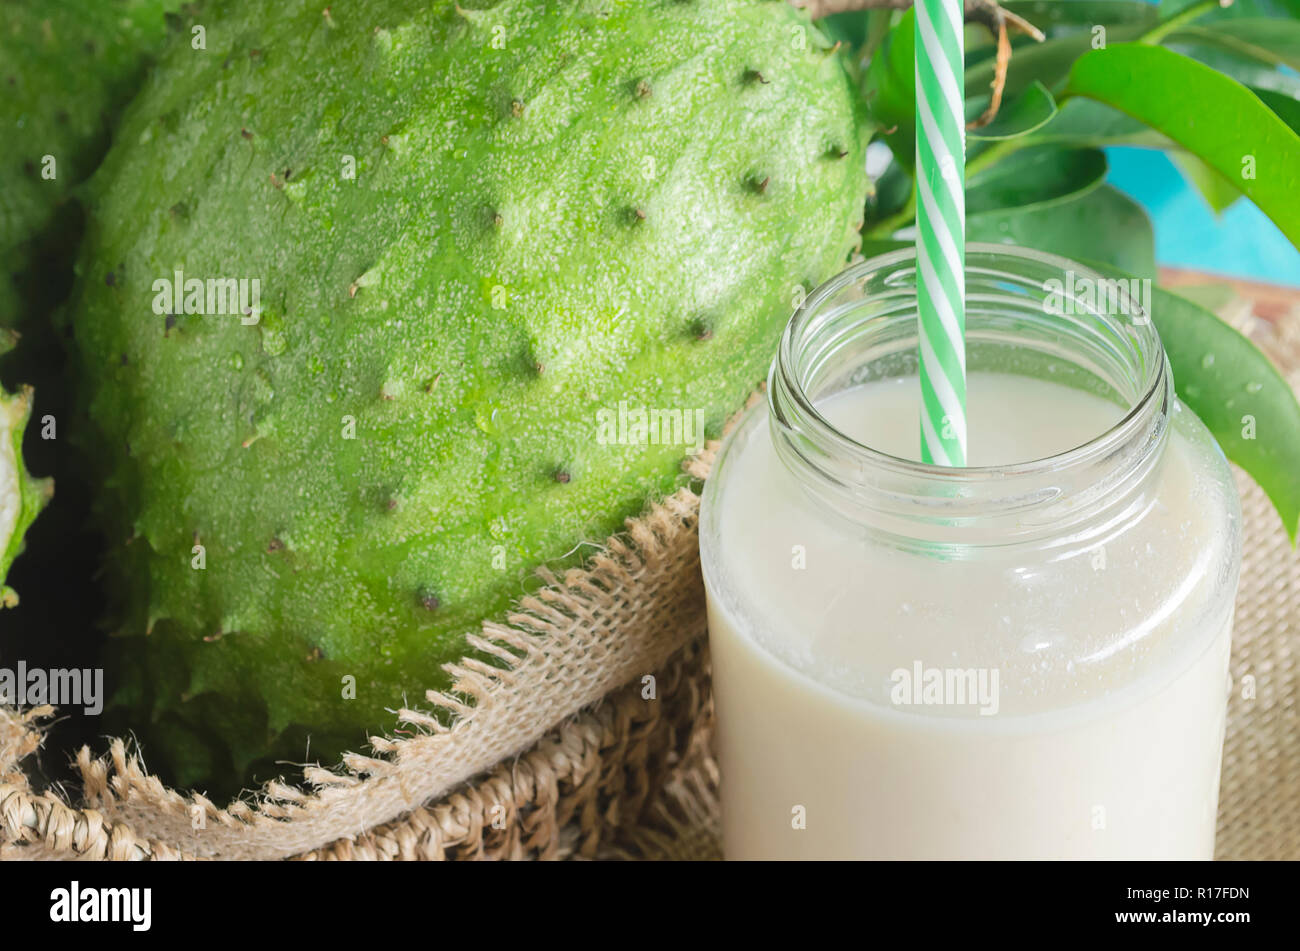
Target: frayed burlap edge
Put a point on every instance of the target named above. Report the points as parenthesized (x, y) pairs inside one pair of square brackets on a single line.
[(620, 619), (578, 790)]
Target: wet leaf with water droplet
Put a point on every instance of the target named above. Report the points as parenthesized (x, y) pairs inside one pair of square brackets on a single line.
[(1213, 365)]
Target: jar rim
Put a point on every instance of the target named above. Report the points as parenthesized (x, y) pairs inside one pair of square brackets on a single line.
[(856, 272), (950, 494)]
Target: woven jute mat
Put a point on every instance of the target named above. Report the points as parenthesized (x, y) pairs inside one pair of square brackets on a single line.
[(591, 736)]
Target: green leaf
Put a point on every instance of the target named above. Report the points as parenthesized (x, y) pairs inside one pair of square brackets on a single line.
[(1102, 224), (1286, 108), (1276, 42), (1057, 19), (1217, 191), (1084, 122), (1031, 110), (1049, 15), (873, 247), (849, 28), (1211, 297), (890, 89), (1223, 377), (1209, 114), (1047, 63), (1035, 177), (878, 23), (1245, 69), (1239, 9)]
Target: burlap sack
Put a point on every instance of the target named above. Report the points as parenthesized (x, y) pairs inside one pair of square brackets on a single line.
[(594, 740)]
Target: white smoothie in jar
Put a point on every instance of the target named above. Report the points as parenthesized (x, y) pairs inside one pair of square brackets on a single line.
[(1055, 696)]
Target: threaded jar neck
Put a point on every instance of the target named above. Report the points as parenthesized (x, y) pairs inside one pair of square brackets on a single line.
[(1026, 312)]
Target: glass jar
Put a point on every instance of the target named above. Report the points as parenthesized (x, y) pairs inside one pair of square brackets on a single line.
[(1025, 658)]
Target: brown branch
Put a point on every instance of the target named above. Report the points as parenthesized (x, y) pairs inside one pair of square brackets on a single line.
[(823, 8), (997, 27), (987, 13)]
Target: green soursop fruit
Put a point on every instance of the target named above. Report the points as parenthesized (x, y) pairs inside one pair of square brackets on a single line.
[(21, 496), (67, 67), (483, 240)]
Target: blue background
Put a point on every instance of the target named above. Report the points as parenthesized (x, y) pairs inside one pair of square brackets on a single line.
[(1242, 242)]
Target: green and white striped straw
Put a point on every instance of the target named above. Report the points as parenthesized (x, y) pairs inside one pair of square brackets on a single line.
[(941, 229)]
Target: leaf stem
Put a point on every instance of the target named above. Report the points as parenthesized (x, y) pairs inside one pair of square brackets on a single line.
[(1162, 29), (904, 216)]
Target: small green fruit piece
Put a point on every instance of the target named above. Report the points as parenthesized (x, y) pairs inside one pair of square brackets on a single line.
[(21, 496)]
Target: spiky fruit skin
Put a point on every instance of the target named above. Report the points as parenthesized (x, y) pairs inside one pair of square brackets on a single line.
[(21, 496), (556, 207), (67, 67)]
